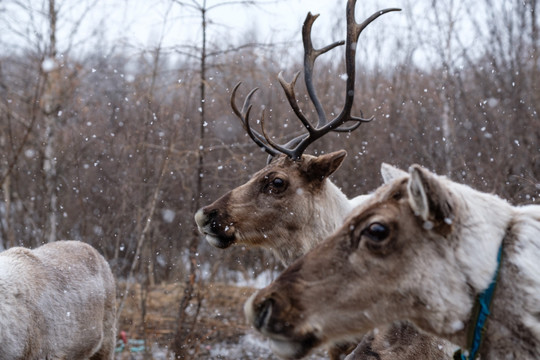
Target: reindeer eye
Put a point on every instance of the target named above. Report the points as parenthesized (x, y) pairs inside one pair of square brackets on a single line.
[(377, 232), (275, 186), (278, 183)]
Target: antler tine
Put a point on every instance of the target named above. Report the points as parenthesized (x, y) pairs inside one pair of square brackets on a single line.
[(288, 88), (353, 32), (359, 121), (281, 148), (295, 147), (264, 141), (243, 115), (310, 55)]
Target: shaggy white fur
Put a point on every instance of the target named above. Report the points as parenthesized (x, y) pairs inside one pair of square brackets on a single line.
[(420, 249), (56, 302)]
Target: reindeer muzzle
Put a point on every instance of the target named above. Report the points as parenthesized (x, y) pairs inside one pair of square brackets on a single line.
[(217, 232), (265, 314)]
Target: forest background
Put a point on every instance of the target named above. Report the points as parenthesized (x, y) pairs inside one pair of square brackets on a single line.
[(118, 143)]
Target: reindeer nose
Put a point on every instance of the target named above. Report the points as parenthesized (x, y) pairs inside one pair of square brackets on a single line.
[(263, 314), (258, 313), (200, 218), (205, 216)]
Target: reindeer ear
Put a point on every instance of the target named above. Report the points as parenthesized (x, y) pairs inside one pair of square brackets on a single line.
[(416, 188), (323, 166), (390, 173), (429, 198)]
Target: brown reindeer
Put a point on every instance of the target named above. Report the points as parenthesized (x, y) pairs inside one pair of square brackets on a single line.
[(56, 302), (424, 249), (290, 206)]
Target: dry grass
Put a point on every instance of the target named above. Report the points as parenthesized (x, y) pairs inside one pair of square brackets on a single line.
[(151, 314), (220, 330)]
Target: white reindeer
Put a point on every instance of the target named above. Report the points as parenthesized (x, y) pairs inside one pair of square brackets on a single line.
[(56, 302), (450, 259)]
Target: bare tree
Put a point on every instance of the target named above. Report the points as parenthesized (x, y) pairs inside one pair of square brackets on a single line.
[(200, 53), (55, 83)]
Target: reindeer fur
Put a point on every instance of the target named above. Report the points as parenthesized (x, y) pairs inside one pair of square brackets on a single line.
[(56, 302), (420, 249), (288, 221), (310, 209)]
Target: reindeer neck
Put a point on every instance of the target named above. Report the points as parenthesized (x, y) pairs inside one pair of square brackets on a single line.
[(512, 329), (330, 208), (480, 314), (480, 227), (338, 203)]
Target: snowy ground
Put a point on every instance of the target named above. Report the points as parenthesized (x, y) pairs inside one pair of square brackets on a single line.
[(249, 347)]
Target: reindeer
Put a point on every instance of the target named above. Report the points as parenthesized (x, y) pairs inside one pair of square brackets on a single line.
[(292, 197), (293, 190), (57, 302), (456, 262), (289, 206)]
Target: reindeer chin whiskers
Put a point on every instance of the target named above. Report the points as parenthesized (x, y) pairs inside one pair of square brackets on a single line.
[(216, 242)]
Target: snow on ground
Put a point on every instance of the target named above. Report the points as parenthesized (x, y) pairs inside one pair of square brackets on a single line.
[(249, 347), (258, 282)]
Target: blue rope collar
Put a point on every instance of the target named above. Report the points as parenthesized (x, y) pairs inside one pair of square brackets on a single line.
[(481, 310)]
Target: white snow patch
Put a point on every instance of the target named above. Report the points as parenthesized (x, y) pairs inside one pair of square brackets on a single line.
[(456, 326), (249, 346), (168, 215), (48, 65), (258, 282)]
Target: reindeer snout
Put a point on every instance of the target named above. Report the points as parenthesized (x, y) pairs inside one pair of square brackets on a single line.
[(207, 221), (263, 313), (260, 314), (273, 314), (215, 225), (201, 219)]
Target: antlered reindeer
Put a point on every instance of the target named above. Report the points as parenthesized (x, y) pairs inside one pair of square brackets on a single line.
[(290, 205), (292, 197), (56, 302), (457, 262)]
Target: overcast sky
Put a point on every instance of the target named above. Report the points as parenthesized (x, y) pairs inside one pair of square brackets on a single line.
[(137, 25), (274, 21), (144, 23)]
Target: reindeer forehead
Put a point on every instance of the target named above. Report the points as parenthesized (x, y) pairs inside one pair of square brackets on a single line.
[(394, 190), (281, 164), (391, 192), (386, 197)]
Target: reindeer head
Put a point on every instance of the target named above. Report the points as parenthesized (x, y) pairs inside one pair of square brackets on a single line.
[(287, 196), (273, 204), (395, 258)]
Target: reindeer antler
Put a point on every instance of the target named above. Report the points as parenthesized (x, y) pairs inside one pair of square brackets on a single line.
[(296, 147)]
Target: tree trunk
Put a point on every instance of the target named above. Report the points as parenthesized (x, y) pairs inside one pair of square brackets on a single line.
[(50, 106), (184, 326), (6, 189)]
